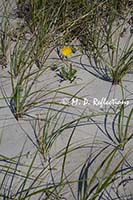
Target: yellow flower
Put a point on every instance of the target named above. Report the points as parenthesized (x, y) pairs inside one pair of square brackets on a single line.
[(66, 51)]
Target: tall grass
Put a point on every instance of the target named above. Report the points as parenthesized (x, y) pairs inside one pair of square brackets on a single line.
[(99, 27), (109, 55), (4, 37)]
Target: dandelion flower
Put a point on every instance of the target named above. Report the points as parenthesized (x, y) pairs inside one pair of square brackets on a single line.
[(66, 51)]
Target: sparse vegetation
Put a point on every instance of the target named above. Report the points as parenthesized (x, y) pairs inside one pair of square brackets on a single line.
[(70, 151)]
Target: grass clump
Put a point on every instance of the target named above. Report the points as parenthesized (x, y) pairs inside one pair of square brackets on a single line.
[(109, 56)]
